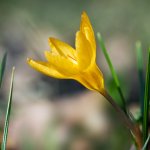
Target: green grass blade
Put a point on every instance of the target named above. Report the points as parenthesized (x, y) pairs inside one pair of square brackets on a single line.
[(114, 74), (146, 143), (146, 102), (2, 67), (140, 72), (5, 134)]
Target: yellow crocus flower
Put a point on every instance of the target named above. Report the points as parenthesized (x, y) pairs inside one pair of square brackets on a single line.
[(79, 63), (65, 62)]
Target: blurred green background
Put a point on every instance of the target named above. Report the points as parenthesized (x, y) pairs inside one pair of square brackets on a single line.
[(51, 114)]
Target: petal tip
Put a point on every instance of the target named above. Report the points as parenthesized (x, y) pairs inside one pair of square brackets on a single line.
[(84, 13), (51, 39), (28, 60)]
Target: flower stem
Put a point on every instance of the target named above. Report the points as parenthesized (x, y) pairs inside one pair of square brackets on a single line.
[(125, 119)]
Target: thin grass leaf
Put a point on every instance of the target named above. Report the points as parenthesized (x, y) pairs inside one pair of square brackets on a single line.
[(146, 102), (2, 67), (140, 72), (113, 72), (146, 143), (5, 134)]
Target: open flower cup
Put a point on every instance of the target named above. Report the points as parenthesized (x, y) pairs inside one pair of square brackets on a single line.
[(65, 62)]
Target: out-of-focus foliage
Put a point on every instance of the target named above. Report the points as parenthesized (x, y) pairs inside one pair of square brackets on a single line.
[(2, 67), (8, 112)]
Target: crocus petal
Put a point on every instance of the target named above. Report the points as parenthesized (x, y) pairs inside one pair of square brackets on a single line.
[(87, 29), (62, 64), (92, 79), (62, 48), (84, 53), (45, 68)]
